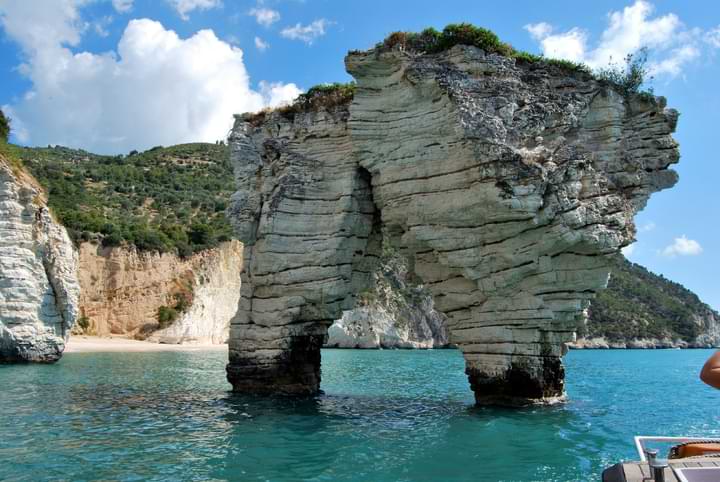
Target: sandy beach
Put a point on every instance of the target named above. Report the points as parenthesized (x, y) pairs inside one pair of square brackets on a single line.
[(92, 344)]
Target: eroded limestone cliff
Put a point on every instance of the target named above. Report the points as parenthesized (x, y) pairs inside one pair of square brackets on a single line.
[(39, 289), (393, 313), (506, 184), (122, 291)]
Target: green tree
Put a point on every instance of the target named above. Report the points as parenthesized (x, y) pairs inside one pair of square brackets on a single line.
[(4, 126), (200, 234)]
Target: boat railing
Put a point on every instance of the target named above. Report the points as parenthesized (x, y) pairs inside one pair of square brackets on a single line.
[(640, 441)]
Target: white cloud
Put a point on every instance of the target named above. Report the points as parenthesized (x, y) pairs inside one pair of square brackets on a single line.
[(713, 37), (674, 63), (265, 16), (569, 45), (122, 6), (157, 88), (100, 25), (42, 30), (184, 7), (629, 250), (261, 45), (670, 43), (539, 31), (276, 94), (682, 246), (647, 227), (306, 33)]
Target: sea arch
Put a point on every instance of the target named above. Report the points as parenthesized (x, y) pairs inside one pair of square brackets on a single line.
[(507, 186)]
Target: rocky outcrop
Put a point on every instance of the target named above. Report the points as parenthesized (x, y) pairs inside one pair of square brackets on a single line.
[(394, 313), (507, 186), (123, 290), (38, 272)]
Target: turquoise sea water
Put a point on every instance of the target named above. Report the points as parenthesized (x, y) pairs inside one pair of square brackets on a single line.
[(385, 416)]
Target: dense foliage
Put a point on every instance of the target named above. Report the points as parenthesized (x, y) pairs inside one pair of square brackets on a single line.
[(164, 199), (4, 127), (641, 304)]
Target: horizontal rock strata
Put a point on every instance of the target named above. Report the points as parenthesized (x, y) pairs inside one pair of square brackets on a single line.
[(507, 185), (38, 273)]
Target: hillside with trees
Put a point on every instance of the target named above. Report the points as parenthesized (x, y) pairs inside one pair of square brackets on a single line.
[(639, 304), (166, 199)]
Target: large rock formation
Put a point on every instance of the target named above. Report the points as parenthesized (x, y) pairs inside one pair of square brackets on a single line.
[(38, 272), (122, 291), (506, 184)]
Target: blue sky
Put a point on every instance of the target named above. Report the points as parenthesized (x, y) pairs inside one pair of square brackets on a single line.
[(116, 75)]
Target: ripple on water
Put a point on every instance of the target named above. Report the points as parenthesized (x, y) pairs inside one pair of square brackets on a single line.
[(385, 415)]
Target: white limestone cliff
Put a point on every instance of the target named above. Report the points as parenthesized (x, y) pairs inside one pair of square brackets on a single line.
[(215, 300), (39, 289)]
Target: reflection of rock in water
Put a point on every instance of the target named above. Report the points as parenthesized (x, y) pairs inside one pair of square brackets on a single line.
[(506, 185)]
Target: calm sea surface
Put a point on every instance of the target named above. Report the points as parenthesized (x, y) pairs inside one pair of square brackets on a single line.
[(385, 416)]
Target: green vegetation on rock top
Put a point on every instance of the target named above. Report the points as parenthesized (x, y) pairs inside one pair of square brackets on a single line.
[(165, 199), (432, 41), (323, 96), (318, 97), (627, 79), (640, 304)]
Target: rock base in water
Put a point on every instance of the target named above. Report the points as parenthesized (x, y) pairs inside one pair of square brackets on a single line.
[(520, 385), (296, 372)]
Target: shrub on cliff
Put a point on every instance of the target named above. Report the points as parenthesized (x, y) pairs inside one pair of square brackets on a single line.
[(628, 78), (84, 323), (166, 316), (322, 97), (4, 127), (318, 97), (431, 41)]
